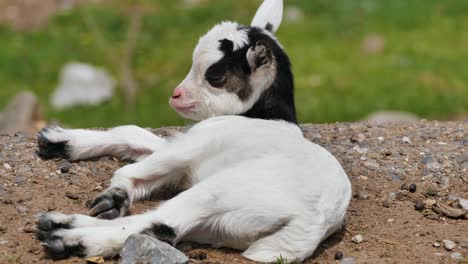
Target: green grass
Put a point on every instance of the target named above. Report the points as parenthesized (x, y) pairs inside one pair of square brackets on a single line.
[(421, 70)]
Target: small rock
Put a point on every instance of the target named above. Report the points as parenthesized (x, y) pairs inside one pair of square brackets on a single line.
[(456, 256), (361, 195), (3, 242), (358, 138), (371, 164), (404, 186), (387, 203), (463, 244), (448, 244), (436, 244), (381, 138), (98, 188), (145, 249), (429, 202), (348, 261), (72, 196), (361, 177), (96, 260), (419, 206), (20, 179), (406, 140), (463, 203), (412, 188), (7, 166), (29, 229), (339, 255), (357, 239)]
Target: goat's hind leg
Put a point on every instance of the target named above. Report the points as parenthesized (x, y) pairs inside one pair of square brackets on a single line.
[(124, 142)]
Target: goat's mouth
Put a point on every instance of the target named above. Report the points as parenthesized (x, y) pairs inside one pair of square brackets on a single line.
[(182, 107)]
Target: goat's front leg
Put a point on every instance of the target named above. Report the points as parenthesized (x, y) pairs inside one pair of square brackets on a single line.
[(137, 181), (124, 142)]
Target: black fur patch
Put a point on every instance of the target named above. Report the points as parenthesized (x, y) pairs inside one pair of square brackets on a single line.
[(161, 232), (49, 150), (232, 73), (277, 102)]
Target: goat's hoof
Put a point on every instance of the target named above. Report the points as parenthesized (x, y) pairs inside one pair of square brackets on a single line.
[(51, 143), (49, 232), (111, 204)]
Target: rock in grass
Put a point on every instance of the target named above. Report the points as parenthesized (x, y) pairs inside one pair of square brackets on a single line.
[(146, 249)]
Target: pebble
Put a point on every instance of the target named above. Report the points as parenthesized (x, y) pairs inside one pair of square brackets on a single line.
[(456, 256), (463, 244), (140, 248), (406, 140), (436, 244), (339, 255), (387, 204), (357, 239), (448, 244), (404, 186), (29, 229), (358, 138), (419, 206), (348, 261), (72, 196), (21, 209), (412, 188), (463, 203), (371, 164), (20, 179), (7, 166), (429, 202)]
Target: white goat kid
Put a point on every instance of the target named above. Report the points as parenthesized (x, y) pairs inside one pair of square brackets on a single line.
[(251, 183)]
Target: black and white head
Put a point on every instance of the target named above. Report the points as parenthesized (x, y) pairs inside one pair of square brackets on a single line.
[(239, 70)]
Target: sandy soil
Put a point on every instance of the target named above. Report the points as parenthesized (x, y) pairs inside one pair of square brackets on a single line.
[(378, 159)]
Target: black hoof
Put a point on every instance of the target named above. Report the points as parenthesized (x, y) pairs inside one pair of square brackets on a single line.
[(111, 204), (50, 150)]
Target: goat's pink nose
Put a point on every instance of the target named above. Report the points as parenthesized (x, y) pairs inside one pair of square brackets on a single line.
[(178, 92)]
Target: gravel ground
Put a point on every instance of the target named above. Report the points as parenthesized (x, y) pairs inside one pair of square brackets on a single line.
[(382, 218)]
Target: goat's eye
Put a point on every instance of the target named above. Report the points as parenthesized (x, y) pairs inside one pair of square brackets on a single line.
[(216, 80)]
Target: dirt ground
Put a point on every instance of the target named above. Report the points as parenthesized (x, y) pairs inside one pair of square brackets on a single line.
[(378, 160)]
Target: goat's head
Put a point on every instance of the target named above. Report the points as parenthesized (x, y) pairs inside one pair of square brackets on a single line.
[(234, 66)]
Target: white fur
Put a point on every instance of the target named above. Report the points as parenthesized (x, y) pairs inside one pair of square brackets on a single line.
[(126, 142), (270, 12), (257, 185)]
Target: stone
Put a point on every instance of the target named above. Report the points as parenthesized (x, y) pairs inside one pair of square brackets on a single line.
[(7, 166), (371, 164), (358, 138), (449, 245), (463, 203), (436, 244), (141, 248), (406, 140), (456, 256), (348, 261), (339, 255), (22, 114), (357, 239), (419, 206), (20, 179), (293, 14), (82, 84)]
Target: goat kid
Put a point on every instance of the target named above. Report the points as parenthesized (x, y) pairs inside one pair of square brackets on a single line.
[(250, 183)]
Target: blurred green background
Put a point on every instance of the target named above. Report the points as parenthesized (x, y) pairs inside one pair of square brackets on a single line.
[(350, 57)]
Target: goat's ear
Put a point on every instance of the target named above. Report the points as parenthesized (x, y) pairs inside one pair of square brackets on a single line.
[(269, 15), (259, 55)]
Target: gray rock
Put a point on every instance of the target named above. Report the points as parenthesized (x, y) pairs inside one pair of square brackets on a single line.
[(371, 164), (82, 84), (20, 179), (430, 163), (357, 239), (456, 256), (348, 261), (449, 245), (146, 249), (463, 203)]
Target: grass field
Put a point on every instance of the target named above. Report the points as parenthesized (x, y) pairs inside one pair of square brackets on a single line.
[(422, 68)]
